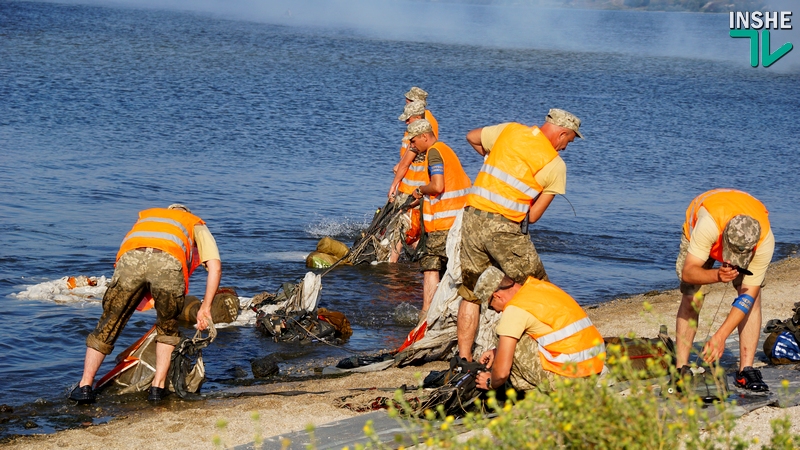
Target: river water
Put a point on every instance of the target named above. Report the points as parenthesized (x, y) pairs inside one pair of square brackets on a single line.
[(278, 126)]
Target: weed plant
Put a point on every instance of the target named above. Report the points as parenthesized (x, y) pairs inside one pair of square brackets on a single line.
[(623, 409), (627, 408)]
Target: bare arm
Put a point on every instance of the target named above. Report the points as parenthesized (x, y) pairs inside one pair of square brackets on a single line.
[(435, 187), (694, 273), (402, 168), (715, 346), (474, 139), (539, 206), (212, 284), (501, 367)]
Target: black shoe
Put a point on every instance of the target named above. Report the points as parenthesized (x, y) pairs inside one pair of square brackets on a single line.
[(750, 379), (157, 394), (83, 395)]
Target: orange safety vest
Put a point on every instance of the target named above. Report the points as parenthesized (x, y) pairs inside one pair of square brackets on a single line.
[(439, 212), (724, 205), (416, 175), (168, 230), (506, 184), (575, 347)]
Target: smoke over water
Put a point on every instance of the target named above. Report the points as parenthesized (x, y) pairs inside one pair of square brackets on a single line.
[(659, 34)]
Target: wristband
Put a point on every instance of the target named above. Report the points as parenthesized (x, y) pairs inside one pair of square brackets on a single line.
[(419, 192), (744, 303), (489, 383)]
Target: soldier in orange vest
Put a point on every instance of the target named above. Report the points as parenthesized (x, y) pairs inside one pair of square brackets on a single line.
[(443, 198), (410, 173), (157, 257), (418, 94), (731, 227), (543, 334), (521, 175)]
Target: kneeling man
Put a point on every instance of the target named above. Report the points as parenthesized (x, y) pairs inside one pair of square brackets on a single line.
[(543, 334)]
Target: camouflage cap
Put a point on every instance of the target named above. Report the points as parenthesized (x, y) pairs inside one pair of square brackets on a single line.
[(564, 119), (178, 206), (416, 93), (418, 127), (739, 239), (415, 108), (488, 283)]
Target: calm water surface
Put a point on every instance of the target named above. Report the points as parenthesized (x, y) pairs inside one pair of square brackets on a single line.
[(281, 129)]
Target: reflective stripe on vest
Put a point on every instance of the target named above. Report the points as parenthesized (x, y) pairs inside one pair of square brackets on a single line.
[(416, 176), (439, 212), (565, 332), (723, 205), (155, 235), (574, 358), (453, 194), (506, 184), (500, 200), (575, 347)]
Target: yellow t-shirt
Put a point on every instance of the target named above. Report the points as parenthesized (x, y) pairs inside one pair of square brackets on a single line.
[(705, 234), (206, 244), (515, 322), (552, 177)]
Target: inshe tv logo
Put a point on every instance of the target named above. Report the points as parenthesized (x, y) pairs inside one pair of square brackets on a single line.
[(748, 25)]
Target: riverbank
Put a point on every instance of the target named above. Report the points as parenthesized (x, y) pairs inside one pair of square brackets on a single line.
[(178, 424)]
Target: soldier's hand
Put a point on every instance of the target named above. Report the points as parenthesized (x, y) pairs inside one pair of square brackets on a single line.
[(487, 358), (203, 316), (713, 349), (727, 273)]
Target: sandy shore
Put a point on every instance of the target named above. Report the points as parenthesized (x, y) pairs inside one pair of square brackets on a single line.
[(184, 424)]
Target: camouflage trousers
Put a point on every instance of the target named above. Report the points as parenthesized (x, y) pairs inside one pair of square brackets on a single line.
[(526, 371), (137, 273), (435, 255), (491, 239)]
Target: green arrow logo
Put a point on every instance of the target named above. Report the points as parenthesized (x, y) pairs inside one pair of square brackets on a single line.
[(767, 58)]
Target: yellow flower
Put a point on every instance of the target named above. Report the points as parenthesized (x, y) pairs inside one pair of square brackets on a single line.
[(690, 412), (567, 426)]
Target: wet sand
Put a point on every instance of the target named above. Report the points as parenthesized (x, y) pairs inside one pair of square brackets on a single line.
[(180, 424)]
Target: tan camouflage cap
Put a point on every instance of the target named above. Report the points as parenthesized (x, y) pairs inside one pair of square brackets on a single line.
[(739, 239), (418, 127), (564, 119), (416, 93), (488, 283), (415, 108), (178, 206)]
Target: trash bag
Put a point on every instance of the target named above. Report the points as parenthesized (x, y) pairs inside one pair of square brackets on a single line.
[(187, 369), (303, 327), (332, 247), (224, 309), (319, 260), (781, 346), (458, 391)]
